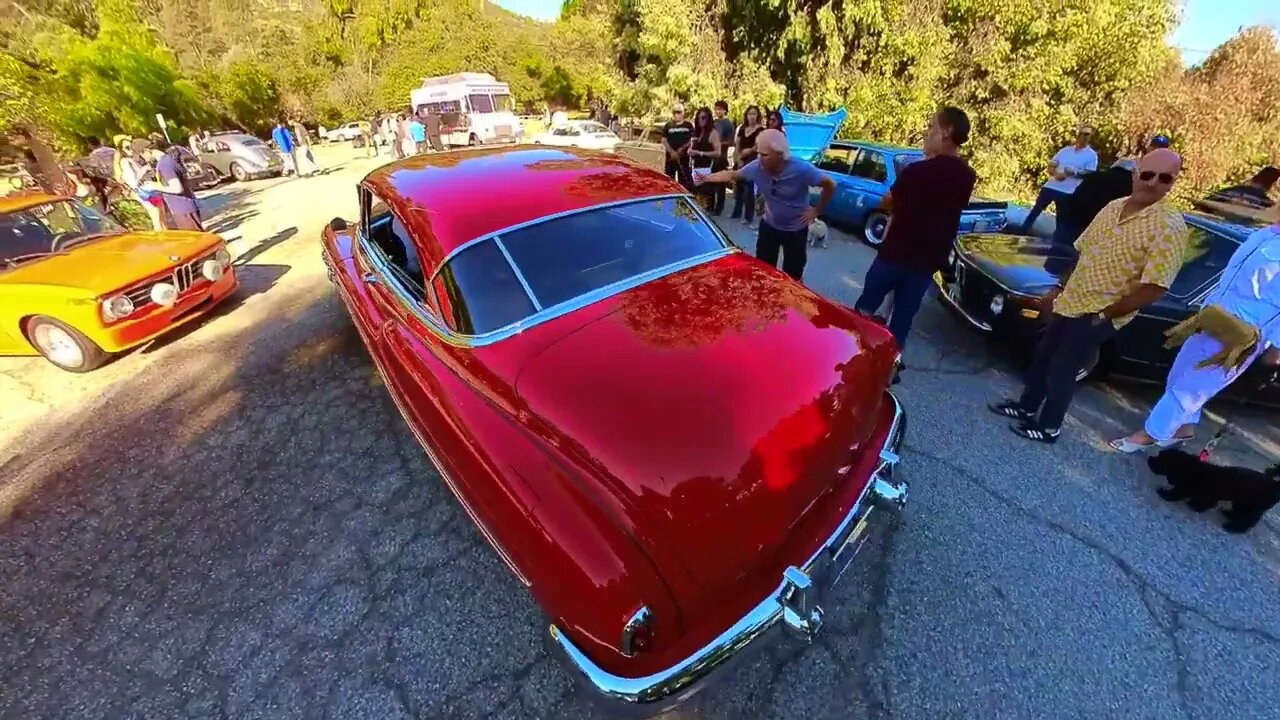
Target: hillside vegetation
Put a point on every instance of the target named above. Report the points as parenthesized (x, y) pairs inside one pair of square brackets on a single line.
[(1026, 72)]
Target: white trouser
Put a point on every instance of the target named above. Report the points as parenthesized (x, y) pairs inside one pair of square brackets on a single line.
[(1189, 388)]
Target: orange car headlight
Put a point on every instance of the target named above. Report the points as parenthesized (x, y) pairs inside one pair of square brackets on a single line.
[(116, 307)]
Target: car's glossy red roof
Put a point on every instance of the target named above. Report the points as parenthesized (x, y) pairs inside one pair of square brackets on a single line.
[(450, 198)]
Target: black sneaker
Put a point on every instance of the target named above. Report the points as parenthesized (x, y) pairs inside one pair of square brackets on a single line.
[(1032, 431), (1010, 409)]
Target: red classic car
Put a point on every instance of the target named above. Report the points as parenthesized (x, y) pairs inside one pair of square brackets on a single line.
[(671, 444)]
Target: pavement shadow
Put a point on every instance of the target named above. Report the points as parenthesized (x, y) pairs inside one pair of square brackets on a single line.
[(249, 514), (265, 245), (222, 200), (230, 221)]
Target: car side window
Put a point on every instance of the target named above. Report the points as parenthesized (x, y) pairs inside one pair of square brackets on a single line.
[(496, 298), (392, 239), (870, 165), (1207, 256), (835, 159)]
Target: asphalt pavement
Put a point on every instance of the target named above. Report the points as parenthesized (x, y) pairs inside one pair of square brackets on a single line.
[(235, 523)]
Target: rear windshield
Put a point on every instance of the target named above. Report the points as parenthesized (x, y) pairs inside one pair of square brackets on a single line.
[(566, 258)]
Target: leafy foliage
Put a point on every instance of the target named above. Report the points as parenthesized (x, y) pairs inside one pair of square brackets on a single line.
[(1027, 73)]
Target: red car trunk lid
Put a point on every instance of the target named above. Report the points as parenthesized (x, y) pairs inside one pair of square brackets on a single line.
[(719, 405)]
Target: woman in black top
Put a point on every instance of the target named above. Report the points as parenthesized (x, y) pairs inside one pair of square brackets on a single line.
[(773, 121), (705, 150), (744, 193)]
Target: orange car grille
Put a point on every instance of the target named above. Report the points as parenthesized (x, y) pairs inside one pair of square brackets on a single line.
[(184, 277)]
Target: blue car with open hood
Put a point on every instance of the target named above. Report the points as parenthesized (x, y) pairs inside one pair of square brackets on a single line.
[(864, 171)]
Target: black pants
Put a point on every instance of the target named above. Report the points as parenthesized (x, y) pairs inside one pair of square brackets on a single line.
[(793, 243), (744, 199), (679, 171), (435, 142), (1046, 196), (1064, 348), (719, 189)]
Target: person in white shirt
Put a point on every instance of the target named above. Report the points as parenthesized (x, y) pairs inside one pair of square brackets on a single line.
[(1068, 166), (1248, 299)]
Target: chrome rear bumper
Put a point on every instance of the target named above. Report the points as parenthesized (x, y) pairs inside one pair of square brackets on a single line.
[(793, 605)]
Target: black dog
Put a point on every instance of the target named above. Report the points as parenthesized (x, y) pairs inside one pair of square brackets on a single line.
[(1250, 493)]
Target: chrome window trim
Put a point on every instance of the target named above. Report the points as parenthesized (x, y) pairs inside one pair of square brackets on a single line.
[(556, 216), (437, 326), (537, 306)]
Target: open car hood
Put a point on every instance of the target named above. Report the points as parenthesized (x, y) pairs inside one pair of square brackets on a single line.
[(810, 134)]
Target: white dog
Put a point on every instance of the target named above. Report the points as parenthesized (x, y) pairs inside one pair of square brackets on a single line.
[(818, 234)]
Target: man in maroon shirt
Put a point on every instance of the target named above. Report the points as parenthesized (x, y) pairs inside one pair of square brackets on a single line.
[(924, 203)]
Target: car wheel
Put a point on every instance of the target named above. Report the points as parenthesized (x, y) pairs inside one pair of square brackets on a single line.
[(63, 345), (238, 172), (873, 230)]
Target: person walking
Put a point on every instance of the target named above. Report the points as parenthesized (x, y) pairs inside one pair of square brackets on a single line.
[(1065, 170), (284, 142), (677, 133), (725, 130), (704, 152), (418, 134), (1128, 257), (302, 149), (398, 136), (1238, 324), (433, 127), (370, 143), (924, 203), (784, 182), (744, 192)]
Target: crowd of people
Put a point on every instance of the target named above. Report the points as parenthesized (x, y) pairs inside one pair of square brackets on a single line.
[(406, 133), (151, 170), (1127, 241)]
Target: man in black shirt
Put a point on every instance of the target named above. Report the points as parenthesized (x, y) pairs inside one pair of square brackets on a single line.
[(676, 136), (725, 129), (1096, 190)]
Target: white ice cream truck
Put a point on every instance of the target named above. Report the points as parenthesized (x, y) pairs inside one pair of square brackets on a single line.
[(474, 108)]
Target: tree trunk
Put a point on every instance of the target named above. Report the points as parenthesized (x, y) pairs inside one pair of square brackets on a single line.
[(47, 171)]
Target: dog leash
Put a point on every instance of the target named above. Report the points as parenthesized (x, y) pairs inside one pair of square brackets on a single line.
[(1213, 442)]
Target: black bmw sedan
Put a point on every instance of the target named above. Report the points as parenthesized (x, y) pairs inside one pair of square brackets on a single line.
[(994, 283)]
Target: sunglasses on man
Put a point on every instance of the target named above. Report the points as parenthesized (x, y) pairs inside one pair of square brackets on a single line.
[(1165, 178)]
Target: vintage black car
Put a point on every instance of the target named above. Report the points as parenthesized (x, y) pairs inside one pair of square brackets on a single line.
[(994, 283)]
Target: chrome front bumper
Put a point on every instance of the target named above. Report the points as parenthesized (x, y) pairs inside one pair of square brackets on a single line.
[(944, 295), (793, 605)]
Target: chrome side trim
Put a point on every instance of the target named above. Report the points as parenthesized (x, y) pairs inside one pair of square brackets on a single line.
[(790, 604), (946, 299), (519, 275)]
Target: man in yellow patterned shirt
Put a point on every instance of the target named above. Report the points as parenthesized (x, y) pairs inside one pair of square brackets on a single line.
[(1128, 257)]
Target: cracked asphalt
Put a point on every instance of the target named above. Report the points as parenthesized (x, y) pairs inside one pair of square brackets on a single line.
[(235, 523)]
